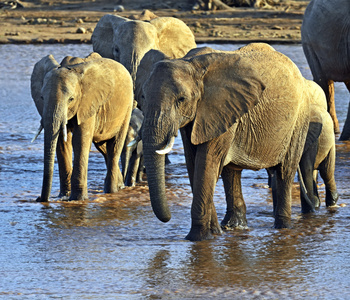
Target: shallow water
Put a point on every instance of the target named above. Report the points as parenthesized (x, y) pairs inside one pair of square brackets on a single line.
[(113, 247)]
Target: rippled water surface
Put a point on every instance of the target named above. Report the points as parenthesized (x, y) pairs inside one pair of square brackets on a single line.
[(113, 247)]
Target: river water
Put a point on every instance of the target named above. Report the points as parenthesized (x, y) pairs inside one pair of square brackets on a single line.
[(113, 247)]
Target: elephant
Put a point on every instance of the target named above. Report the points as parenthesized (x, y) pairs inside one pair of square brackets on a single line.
[(87, 101), (127, 41), (318, 154), (247, 109), (325, 35), (132, 154)]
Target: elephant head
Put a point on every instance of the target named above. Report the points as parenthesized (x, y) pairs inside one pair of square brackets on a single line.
[(180, 94), (66, 94), (127, 41)]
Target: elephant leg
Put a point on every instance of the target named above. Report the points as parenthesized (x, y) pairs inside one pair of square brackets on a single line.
[(331, 105), (308, 198), (235, 216), (326, 84), (82, 140), (125, 160), (345, 135), (326, 169), (114, 179), (65, 163), (282, 198), (101, 147), (133, 167), (205, 177), (190, 152), (139, 176)]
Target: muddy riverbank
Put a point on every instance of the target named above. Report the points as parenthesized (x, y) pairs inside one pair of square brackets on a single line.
[(74, 21)]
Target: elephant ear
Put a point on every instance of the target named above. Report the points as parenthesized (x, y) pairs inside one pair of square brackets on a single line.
[(175, 38), (231, 87), (96, 84), (144, 70), (102, 37), (41, 68)]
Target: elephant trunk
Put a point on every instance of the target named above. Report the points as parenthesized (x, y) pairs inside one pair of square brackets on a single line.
[(131, 61), (52, 129), (155, 167)]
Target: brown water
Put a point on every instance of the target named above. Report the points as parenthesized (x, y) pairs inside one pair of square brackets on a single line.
[(113, 247)]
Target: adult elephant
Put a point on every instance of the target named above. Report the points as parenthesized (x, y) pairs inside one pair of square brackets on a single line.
[(325, 35), (127, 41), (233, 114), (79, 104)]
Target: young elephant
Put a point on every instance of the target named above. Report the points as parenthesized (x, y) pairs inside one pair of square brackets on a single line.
[(87, 102), (132, 155), (245, 109), (318, 154)]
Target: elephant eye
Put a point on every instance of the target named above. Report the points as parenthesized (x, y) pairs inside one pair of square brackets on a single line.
[(70, 99), (181, 99)]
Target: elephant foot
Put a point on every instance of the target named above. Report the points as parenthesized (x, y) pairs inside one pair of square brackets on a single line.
[(113, 190), (201, 233), (232, 221), (282, 222), (336, 130), (64, 194), (80, 196), (113, 186), (309, 204), (331, 198), (197, 235), (39, 199)]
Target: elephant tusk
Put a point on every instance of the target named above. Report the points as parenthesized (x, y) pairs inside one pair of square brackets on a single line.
[(139, 148), (65, 133), (132, 143), (168, 147), (38, 133)]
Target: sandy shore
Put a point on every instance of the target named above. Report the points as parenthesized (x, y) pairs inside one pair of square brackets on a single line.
[(74, 21)]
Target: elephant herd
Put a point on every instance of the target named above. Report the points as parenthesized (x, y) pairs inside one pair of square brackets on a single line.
[(245, 109)]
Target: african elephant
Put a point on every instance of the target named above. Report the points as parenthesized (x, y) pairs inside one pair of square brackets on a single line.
[(325, 35), (64, 149), (127, 41), (132, 154), (87, 102), (241, 110), (318, 154)]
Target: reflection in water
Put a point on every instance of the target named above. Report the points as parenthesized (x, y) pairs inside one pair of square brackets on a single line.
[(113, 247)]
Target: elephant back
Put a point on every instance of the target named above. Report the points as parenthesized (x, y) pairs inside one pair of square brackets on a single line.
[(175, 37)]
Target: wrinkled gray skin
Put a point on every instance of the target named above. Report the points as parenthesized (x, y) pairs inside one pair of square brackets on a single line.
[(91, 101), (232, 115), (127, 41), (153, 56), (318, 154), (325, 35), (132, 155)]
